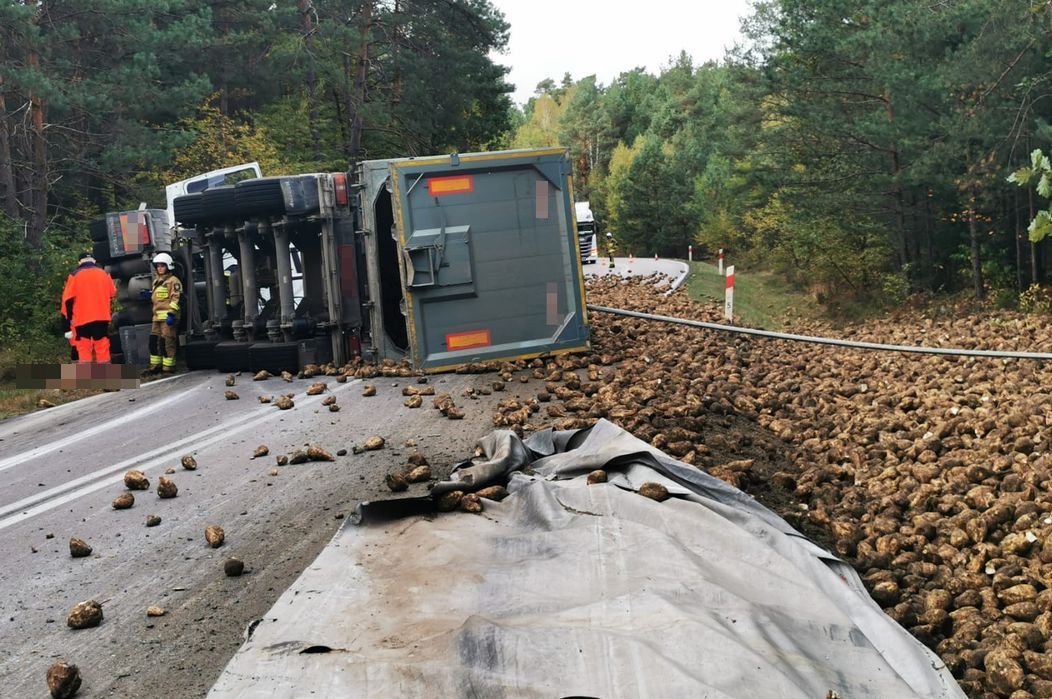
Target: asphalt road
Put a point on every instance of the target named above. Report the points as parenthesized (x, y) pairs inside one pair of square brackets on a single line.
[(61, 468), (638, 267)]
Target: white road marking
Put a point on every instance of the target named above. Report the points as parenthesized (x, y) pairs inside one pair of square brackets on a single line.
[(54, 497), (26, 456)]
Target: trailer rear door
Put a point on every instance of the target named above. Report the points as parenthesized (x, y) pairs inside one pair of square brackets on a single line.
[(489, 258)]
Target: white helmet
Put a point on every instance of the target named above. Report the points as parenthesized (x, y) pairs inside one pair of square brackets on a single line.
[(162, 258)]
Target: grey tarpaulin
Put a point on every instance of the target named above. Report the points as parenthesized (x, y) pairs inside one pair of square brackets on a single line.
[(568, 589)]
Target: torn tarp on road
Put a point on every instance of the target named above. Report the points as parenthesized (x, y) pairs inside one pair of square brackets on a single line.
[(569, 589)]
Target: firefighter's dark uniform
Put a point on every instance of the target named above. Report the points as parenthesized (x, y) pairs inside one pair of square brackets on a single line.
[(166, 294)]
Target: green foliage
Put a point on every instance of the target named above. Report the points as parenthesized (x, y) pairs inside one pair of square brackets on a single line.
[(31, 285), (1035, 300)]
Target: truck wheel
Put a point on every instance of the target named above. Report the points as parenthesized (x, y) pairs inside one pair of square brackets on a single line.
[(200, 354), (189, 209), (275, 357), (217, 204), (232, 356), (99, 234), (129, 267), (259, 197)]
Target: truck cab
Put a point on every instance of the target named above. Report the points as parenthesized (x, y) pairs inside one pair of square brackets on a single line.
[(587, 233)]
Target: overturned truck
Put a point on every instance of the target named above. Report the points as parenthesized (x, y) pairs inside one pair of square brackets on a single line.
[(442, 261)]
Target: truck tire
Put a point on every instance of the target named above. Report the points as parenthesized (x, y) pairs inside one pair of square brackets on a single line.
[(232, 356), (275, 357), (217, 204), (99, 233), (188, 209), (129, 267), (259, 197), (200, 354), (136, 313)]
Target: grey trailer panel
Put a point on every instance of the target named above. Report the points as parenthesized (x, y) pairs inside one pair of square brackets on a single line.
[(489, 257)]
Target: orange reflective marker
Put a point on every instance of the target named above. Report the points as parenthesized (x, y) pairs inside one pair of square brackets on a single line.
[(468, 340), (458, 184)]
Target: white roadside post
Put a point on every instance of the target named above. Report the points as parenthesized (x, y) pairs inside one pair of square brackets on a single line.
[(728, 308), (721, 261), (690, 253)]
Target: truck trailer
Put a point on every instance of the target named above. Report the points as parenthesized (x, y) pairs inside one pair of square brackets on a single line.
[(440, 261)]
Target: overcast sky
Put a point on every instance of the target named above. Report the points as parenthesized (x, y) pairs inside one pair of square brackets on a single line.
[(585, 37)]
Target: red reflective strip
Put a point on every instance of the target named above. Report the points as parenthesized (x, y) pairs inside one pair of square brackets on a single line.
[(348, 272), (339, 182), (458, 184), (468, 340), (730, 281)]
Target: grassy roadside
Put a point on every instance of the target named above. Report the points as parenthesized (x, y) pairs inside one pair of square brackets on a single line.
[(761, 299), (19, 401)]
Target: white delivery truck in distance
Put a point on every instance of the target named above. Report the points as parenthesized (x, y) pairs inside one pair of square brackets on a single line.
[(586, 233)]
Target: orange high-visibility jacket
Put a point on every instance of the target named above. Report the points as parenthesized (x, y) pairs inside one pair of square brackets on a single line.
[(91, 292)]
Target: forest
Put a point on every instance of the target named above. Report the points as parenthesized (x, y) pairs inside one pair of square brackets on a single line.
[(874, 149)]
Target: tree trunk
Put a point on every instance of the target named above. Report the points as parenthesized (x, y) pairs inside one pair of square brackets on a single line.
[(356, 101), (1019, 282), (39, 178), (977, 267), (306, 10), (7, 172)]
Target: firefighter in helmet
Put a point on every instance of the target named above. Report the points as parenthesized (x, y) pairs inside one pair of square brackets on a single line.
[(166, 293)]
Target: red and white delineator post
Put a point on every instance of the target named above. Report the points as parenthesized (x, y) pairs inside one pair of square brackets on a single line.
[(690, 253), (720, 261), (728, 305)]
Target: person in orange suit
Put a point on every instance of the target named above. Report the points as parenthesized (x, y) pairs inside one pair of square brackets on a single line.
[(86, 303)]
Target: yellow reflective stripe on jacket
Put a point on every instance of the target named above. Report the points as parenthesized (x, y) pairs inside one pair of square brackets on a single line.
[(160, 315), (174, 306), (160, 292)]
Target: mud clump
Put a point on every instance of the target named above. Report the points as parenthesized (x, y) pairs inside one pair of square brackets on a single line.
[(233, 567), (63, 680), (85, 615), (231, 395), (189, 463), (285, 403), (261, 450)]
